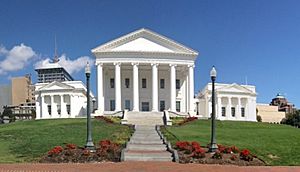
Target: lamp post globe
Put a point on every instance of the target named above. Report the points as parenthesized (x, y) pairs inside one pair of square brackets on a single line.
[(213, 145), (89, 141)]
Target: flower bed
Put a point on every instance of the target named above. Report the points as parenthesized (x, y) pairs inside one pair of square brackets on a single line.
[(105, 151), (182, 121), (192, 152)]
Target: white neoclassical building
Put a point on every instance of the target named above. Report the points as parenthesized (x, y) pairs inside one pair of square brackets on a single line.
[(145, 71), (61, 100), (233, 102)]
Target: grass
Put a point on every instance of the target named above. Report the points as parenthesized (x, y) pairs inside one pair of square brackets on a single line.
[(275, 144), (27, 141)]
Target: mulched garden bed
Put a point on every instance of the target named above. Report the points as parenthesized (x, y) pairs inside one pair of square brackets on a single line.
[(105, 151), (192, 152)]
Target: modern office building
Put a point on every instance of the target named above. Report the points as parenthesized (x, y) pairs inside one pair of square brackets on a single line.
[(52, 72)]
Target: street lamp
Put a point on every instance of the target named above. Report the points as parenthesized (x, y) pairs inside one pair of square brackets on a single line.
[(89, 141), (213, 145)]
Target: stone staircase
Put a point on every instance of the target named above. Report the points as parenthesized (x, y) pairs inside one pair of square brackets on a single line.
[(145, 118), (146, 145)]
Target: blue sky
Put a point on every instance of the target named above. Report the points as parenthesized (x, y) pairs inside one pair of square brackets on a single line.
[(257, 39)]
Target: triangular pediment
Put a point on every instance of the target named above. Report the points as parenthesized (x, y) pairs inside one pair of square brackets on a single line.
[(144, 40), (56, 86), (235, 88)]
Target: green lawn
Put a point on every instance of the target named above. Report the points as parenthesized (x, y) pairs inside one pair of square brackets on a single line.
[(27, 141), (275, 144)]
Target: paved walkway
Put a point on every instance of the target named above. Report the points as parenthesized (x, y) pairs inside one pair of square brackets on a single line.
[(138, 167)]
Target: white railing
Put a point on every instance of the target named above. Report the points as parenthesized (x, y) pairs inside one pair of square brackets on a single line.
[(166, 118), (124, 119)]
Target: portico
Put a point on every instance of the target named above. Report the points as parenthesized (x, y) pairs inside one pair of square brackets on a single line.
[(144, 71)]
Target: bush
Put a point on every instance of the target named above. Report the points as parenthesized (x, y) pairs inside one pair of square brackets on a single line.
[(217, 155), (258, 118), (192, 148), (246, 155)]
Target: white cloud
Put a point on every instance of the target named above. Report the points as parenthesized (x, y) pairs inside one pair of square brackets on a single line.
[(16, 58), (72, 66)]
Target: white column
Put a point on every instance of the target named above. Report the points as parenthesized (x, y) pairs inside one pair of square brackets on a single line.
[(42, 107), (53, 106), (187, 92), (219, 113), (135, 87), (228, 109), (100, 80), (239, 112), (172, 87), (72, 113), (63, 108), (117, 86), (191, 89), (154, 87)]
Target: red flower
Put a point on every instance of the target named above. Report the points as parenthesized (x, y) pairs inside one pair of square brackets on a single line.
[(56, 150), (245, 152), (71, 146), (246, 155)]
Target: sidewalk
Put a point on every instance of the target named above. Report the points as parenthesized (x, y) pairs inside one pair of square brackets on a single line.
[(138, 167)]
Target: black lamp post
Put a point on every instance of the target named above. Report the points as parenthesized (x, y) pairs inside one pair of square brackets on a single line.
[(89, 141), (213, 145)]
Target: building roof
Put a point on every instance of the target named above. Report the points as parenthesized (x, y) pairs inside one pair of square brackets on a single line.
[(49, 66), (144, 41)]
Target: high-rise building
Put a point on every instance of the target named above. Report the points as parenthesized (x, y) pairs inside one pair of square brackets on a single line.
[(22, 90), (52, 72), (5, 96)]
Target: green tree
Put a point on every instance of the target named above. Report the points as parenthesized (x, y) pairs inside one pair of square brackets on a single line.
[(292, 119)]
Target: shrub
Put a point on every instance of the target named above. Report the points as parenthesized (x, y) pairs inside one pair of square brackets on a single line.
[(189, 119), (192, 148), (105, 119), (235, 149), (55, 151), (258, 118), (217, 155), (246, 155), (233, 157), (71, 146)]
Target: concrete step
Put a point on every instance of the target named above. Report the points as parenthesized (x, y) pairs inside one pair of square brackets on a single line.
[(145, 135), (146, 147), (145, 141), (149, 123), (145, 138), (147, 156)]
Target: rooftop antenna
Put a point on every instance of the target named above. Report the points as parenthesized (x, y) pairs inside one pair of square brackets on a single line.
[(55, 59), (246, 80)]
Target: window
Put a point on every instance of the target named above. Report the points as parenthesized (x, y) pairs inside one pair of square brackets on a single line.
[(233, 111), (223, 111), (178, 106), (162, 105), (112, 105), (243, 112), (112, 83), (49, 109), (162, 83), (68, 109), (127, 104), (145, 106), (127, 82), (177, 83), (144, 83)]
